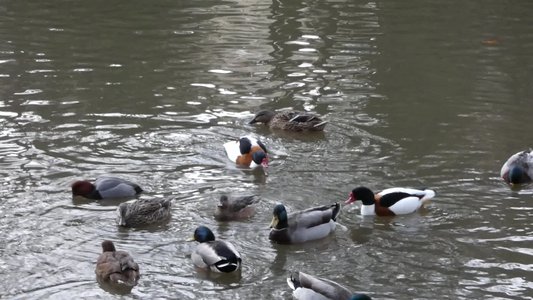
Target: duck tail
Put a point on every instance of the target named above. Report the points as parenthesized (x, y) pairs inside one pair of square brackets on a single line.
[(228, 266), (429, 194), (138, 189), (336, 211), (293, 280)]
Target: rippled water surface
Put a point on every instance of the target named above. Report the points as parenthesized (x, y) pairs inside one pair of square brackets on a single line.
[(421, 93)]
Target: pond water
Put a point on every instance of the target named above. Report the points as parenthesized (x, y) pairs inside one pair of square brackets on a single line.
[(425, 93)]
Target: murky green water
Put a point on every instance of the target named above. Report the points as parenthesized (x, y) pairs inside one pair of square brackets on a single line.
[(425, 93)]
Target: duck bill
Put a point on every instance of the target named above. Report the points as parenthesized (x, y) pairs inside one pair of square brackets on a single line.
[(350, 199), (264, 164), (274, 222)]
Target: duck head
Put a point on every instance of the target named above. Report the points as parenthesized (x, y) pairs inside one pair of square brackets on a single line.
[(85, 189), (108, 246), (279, 218), (263, 116), (361, 193), (121, 214), (517, 175), (224, 202), (203, 234), (260, 158)]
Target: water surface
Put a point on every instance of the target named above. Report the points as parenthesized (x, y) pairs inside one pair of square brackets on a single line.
[(425, 93)]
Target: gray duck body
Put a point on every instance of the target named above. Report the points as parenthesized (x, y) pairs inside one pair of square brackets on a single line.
[(308, 287), (302, 226)]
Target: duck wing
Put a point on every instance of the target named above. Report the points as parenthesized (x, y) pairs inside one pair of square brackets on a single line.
[(218, 254), (110, 187), (239, 203), (390, 197), (314, 216), (324, 287)]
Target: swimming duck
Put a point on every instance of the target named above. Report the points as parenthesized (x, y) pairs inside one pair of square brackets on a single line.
[(218, 256), (308, 287), (143, 212), (236, 208), (247, 151), (302, 226), (390, 202), (518, 169), (289, 120), (105, 188), (116, 267)]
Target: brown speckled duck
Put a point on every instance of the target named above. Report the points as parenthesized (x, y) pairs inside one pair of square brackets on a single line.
[(289, 120), (144, 212), (116, 267)]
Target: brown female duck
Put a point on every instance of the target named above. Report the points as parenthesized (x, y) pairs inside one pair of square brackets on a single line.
[(116, 267), (289, 120)]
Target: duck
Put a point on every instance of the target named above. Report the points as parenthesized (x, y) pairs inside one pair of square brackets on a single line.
[(105, 188), (518, 169), (302, 226), (289, 120), (143, 212), (390, 202), (116, 267), (215, 255), (247, 151), (309, 287), (236, 208)]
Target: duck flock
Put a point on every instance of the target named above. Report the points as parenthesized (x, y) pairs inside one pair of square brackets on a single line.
[(118, 268)]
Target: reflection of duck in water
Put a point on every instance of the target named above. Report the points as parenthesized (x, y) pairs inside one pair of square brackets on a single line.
[(116, 267), (518, 169), (106, 188), (290, 120), (390, 202), (215, 255), (247, 151), (308, 287), (144, 212), (302, 226), (235, 208)]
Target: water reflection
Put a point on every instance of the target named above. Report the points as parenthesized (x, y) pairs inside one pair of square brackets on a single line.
[(153, 92)]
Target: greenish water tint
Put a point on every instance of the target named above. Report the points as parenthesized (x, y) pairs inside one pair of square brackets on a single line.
[(422, 94)]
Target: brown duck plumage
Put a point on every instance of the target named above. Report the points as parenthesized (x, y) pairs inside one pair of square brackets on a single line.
[(116, 267), (290, 120)]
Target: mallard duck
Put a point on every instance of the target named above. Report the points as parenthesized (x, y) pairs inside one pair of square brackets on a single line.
[(390, 202), (247, 151), (308, 287), (143, 212), (518, 169), (302, 226), (236, 208), (218, 256), (105, 188), (289, 120), (116, 267)]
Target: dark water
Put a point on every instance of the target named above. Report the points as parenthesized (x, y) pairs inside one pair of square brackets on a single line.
[(421, 93)]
